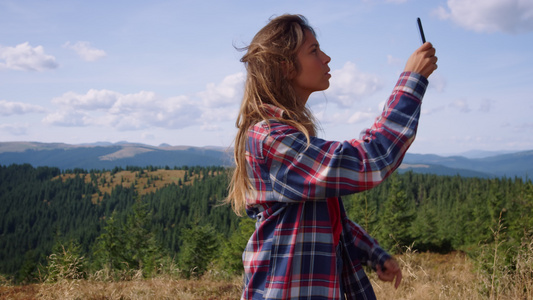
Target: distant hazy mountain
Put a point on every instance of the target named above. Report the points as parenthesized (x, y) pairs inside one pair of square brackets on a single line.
[(107, 156), (442, 170), (481, 154), (518, 164)]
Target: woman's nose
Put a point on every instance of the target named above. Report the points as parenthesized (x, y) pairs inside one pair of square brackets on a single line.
[(327, 59)]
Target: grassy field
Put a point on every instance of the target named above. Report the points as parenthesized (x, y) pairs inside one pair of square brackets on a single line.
[(426, 276)]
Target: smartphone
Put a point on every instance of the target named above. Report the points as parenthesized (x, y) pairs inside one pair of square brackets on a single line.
[(421, 30)]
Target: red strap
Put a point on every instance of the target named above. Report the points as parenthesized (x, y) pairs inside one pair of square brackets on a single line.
[(335, 217)]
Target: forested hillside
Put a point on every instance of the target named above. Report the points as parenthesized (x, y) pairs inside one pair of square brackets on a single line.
[(445, 213), (42, 208), (150, 218)]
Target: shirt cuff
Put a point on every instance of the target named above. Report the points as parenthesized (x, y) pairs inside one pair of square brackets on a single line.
[(412, 83), (379, 256)]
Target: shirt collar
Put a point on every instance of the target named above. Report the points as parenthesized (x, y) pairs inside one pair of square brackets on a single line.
[(273, 111)]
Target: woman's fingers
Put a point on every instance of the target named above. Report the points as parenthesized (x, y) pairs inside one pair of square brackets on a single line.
[(423, 61)]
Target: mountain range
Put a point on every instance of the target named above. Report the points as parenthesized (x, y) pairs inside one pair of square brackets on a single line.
[(515, 164), (103, 155)]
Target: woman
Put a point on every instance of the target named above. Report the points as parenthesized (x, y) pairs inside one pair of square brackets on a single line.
[(290, 181)]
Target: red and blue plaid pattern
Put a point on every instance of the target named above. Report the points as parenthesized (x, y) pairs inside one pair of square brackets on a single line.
[(291, 254)]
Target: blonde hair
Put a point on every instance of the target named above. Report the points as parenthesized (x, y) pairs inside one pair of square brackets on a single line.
[(269, 59)]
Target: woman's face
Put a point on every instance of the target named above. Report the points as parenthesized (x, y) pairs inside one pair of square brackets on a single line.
[(314, 70)]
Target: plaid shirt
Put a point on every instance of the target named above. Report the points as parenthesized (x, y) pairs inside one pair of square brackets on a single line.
[(291, 254)]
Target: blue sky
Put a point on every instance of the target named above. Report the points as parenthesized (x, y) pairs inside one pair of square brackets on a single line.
[(168, 72)]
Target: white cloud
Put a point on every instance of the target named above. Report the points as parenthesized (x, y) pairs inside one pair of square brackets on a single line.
[(228, 92), (8, 108), (349, 85), (93, 100), (124, 111), (24, 57), (176, 112), (361, 116), (510, 16), (15, 129), (461, 105), (142, 101), (220, 114), (85, 51), (67, 118)]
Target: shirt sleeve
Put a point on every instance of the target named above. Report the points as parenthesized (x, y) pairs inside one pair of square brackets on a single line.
[(362, 247), (300, 171)]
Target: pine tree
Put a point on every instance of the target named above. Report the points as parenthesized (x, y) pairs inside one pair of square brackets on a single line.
[(130, 245), (424, 229), (200, 244), (230, 259), (362, 211), (108, 252), (396, 219), (143, 250)]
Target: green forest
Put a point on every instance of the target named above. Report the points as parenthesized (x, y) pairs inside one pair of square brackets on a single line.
[(125, 220)]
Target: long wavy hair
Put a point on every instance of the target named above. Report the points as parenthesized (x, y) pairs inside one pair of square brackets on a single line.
[(270, 61)]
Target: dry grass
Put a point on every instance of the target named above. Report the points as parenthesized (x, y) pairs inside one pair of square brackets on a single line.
[(425, 276), (432, 276), (138, 289), (158, 288), (455, 276)]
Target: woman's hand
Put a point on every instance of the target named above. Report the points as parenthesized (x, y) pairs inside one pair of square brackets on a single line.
[(392, 270), (423, 61)]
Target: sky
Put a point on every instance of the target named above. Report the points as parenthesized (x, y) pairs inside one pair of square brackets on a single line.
[(156, 72)]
